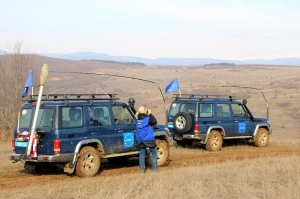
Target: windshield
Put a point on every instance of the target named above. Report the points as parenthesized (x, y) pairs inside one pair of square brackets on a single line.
[(44, 119)]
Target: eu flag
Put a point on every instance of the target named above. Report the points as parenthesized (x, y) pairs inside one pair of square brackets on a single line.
[(172, 86), (29, 83)]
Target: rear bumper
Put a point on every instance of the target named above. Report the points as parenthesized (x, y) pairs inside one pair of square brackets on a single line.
[(42, 158)]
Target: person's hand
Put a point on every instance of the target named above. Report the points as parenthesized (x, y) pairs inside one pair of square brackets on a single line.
[(149, 111)]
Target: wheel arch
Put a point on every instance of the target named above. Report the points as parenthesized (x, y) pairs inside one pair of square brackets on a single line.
[(265, 126), (220, 129), (163, 136), (90, 142)]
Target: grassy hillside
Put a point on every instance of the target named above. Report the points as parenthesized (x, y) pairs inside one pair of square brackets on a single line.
[(279, 85)]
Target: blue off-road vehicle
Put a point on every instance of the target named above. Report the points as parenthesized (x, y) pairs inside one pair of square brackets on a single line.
[(210, 119), (75, 131)]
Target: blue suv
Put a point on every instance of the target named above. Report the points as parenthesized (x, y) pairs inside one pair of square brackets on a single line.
[(210, 119), (75, 131)]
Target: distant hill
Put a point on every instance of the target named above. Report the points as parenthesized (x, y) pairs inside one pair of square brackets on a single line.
[(172, 61), (167, 61)]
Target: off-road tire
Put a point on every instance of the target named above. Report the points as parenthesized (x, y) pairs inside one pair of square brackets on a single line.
[(88, 163), (118, 160), (182, 122), (163, 153), (214, 141), (261, 138)]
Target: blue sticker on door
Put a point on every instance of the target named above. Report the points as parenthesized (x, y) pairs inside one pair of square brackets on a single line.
[(128, 139), (242, 127)]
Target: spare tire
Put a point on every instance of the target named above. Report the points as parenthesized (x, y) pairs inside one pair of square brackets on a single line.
[(182, 122)]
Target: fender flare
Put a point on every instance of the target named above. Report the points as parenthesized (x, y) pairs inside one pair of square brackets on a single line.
[(223, 133), (258, 126), (163, 135), (79, 146)]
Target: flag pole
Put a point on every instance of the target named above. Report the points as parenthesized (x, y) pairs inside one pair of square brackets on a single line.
[(43, 76), (18, 129), (32, 86)]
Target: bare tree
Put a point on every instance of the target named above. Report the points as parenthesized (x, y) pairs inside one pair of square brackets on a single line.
[(14, 69)]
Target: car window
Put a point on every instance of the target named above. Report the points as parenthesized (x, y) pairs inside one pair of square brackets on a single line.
[(71, 117), (122, 115), (206, 110), (174, 109), (44, 119), (188, 108), (25, 118), (99, 116), (223, 110), (238, 111)]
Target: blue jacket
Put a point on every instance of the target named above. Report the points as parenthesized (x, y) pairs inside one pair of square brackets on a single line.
[(144, 131)]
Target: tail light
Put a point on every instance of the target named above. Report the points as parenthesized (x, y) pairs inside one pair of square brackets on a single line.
[(196, 129), (13, 144), (56, 147)]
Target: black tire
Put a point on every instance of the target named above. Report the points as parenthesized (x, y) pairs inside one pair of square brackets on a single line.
[(214, 141), (88, 163), (182, 122), (162, 154), (261, 138), (184, 143), (118, 160), (45, 169)]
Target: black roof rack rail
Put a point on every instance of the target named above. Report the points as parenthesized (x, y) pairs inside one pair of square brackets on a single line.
[(202, 96), (72, 97)]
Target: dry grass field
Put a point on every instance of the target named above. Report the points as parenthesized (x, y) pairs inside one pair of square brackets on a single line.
[(239, 170)]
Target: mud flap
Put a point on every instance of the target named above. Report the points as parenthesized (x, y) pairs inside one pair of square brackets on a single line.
[(29, 167), (68, 169), (178, 138)]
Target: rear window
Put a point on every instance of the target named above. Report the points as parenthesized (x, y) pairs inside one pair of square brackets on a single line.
[(44, 119), (182, 107), (174, 109)]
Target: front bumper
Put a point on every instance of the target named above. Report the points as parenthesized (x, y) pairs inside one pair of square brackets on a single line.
[(42, 158)]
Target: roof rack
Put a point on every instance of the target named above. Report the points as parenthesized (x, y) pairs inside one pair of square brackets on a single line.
[(72, 97), (202, 96)]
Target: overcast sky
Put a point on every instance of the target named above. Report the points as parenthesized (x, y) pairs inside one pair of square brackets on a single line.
[(221, 29)]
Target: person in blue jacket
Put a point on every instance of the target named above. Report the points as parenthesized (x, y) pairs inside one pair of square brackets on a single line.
[(145, 136)]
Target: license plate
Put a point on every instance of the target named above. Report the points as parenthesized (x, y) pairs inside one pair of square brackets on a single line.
[(21, 144)]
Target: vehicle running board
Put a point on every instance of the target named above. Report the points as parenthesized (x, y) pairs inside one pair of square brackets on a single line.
[(121, 154), (238, 137)]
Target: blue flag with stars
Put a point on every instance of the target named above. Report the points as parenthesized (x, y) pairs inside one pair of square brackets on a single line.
[(128, 139)]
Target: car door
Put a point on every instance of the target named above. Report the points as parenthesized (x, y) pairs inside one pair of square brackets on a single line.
[(242, 121), (102, 128), (72, 127), (225, 119), (124, 127)]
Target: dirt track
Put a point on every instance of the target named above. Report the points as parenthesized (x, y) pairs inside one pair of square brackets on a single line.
[(180, 157)]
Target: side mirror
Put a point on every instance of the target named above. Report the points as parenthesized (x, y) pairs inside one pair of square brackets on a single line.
[(244, 101)]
